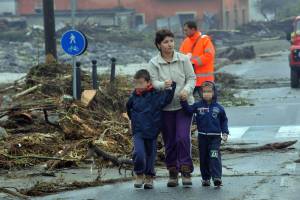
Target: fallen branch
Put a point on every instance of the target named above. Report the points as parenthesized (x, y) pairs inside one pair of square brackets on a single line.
[(87, 128), (3, 114), (16, 84), (266, 147), (12, 193), (27, 91), (93, 150), (7, 88), (46, 188), (37, 157)]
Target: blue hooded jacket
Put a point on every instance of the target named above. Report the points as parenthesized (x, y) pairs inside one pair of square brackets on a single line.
[(211, 118), (145, 111)]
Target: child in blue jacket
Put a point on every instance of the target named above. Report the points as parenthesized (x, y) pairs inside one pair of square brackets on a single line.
[(144, 109), (212, 125)]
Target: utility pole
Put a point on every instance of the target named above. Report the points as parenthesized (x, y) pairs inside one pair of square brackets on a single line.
[(49, 28), (76, 68)]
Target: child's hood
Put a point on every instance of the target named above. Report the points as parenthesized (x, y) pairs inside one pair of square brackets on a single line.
[(215, 95)]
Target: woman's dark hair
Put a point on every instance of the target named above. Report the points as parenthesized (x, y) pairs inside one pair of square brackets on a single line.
[(191, 24), (161, 35), (142, 74)]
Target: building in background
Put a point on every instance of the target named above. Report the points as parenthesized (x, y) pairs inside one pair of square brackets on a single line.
[(234, 13), (8, 7), (211, 14)]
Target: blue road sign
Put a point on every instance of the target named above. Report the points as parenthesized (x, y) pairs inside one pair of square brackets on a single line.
[(74, 42)]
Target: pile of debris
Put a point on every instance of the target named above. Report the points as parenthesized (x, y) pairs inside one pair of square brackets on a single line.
[(18, 56), (12, 24), (43, 122), (237, 53), (270, 29), (253, 31)]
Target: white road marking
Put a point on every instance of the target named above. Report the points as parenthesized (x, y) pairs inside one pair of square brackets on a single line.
[(237, 132), (288, 132), (284, 182), (291, 167)]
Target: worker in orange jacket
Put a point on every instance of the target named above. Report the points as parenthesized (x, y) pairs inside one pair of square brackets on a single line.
[(201, 52)]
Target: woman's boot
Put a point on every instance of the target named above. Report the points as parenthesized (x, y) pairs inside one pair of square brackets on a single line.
[(186, 176), (173, 177)]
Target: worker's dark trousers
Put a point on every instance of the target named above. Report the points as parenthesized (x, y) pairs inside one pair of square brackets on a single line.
[(210, 157), (144, 155)]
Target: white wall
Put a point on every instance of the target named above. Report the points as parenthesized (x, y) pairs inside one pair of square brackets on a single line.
[(8, 6)]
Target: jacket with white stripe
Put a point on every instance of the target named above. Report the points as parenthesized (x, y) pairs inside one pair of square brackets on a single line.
[(211, 118)]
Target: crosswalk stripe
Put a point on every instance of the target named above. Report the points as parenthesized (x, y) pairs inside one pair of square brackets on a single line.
[(237, 132), (288, 132), (264, 132)]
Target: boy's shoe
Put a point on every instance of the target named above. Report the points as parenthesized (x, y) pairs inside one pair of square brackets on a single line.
[(205, 183), (186, 176), (173, 177), (217, 182), (139, 181), (148, 182)]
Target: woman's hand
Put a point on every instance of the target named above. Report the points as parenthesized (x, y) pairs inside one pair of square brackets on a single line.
[(183, 95), (168, 83)]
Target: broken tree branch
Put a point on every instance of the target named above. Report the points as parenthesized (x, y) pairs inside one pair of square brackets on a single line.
[(27, 91), (12, 193), (87, 128), (7, 88), (266, 147), (93, 150), (37, 157)]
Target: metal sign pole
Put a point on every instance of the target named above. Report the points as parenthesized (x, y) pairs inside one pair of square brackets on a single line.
[(73, 12), (74, 43)]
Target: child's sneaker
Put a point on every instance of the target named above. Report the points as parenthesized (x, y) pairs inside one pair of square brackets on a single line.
[(139, 181), (148, 182), (205, 183), (217, 182)]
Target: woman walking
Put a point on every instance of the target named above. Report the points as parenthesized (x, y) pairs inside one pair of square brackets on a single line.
[(168, 66)]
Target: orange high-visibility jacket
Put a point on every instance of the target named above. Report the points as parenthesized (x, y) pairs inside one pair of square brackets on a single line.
[(203, 54)]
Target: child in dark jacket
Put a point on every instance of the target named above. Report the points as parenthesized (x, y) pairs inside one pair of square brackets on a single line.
[(212, 125), (144, 109)]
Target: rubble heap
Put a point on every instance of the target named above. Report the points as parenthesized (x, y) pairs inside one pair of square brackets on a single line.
[(43, 122)]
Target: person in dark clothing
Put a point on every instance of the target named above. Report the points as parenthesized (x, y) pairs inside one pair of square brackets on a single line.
[(144, 109), (212, 125)]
